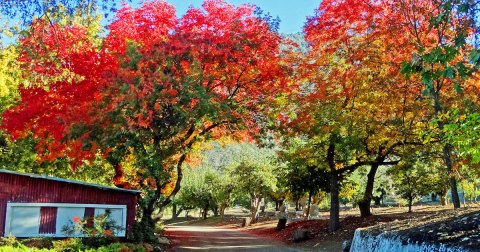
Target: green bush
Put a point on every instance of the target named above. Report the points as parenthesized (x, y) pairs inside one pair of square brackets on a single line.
[(23, 249), (74, 245), (122, 247), (142, 233), (10, 241), (69, 245)]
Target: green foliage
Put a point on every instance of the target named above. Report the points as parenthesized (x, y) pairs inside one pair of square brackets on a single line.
[(463, 133), (201, 189), (10, 241), (348, 191), (72, 245), (142, 233), (68, 245), (21, 156), (414, 178), (10, 76), (255, 172), (98, 231)]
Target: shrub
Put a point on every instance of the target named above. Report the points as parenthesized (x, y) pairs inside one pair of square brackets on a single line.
[(120, 247), (43, 242), (22, 249), (69, 245)]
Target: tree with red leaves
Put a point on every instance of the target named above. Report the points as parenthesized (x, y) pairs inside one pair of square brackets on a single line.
[(157, 86)]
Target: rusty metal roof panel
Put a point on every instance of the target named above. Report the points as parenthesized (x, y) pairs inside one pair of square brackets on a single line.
[(31, 175)]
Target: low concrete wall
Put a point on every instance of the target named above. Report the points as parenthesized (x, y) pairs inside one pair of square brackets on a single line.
[(365, 241)]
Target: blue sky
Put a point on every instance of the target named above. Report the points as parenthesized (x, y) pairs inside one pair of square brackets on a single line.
[(292, 13)]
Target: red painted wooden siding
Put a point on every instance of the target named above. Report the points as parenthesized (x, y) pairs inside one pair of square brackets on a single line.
[(48, 220), (24, 189)]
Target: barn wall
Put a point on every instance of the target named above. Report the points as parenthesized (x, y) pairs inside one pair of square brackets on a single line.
[(24, 189)]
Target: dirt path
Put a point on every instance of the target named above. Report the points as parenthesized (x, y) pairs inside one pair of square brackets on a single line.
[(191, 238)]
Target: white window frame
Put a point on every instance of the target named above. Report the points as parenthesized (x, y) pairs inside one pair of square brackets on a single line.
[(11, 205)]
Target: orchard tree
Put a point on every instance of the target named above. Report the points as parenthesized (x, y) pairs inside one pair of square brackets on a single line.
[(352, 101), (256, 175), (155, 87), (444, 60), (413, 179), (359, 58), (200, 190), (303, 176)]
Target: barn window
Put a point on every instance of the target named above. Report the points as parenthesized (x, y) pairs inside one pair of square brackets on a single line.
[(48, 220), (24, 221), (66, 215), (117, 215)]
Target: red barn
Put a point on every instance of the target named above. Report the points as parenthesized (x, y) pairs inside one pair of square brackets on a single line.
[(36, 205)]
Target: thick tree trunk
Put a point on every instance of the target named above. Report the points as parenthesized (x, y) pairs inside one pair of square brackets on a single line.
[(276, 205), (447, 150), (144, 228), (334, 224), (364, 204), (297, 205)]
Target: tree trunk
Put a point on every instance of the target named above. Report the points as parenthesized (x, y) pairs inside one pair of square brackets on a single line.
[(225, 201), (205, 212), (443, 196), (475, 191), (255, 203), (222, 210), (145, 228), (364, 204), (309, 203), (177, 213), (447, 150), (334, 224), (297, 205), (276, 205), (174, 211), (215, 211), (410, 202)]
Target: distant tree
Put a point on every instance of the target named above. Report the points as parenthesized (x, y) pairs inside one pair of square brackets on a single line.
[(348, 191), (255, 175), (200, 190), (303, 177), (413, 179)]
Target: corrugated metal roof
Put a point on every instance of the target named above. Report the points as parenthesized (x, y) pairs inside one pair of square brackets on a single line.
[(69, 181)]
